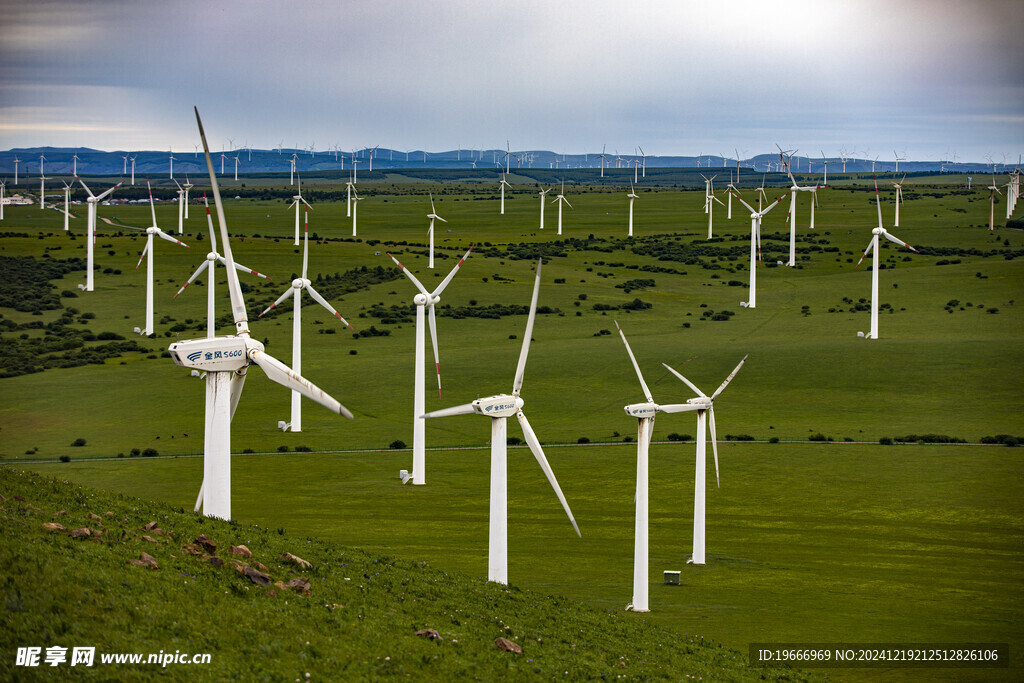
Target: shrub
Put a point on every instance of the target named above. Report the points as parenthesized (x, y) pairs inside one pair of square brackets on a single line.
[(282, 449), (676, 436), (149, 453), (397, 444), (885, 441), (513, 441), (583, 439), (65, 458), (774, 439), (303, 449), (78, 443)]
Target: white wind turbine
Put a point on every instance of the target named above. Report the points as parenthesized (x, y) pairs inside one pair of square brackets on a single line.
[(291, 166), (791, 216), (560, 198), (212, 258), (67, 206), (543, 198), (874, 245), (297, 202), (3, 188), (172, 166), (133, 171), (632, 197), (643, 162), (644, 414), (755, 245), (188, 186), (730, 190), (295, 290), (432, 215), (825, 161), (709, 201), (899, 200), (499, 408), (502, 186), (993, 190), (705, 407), (181, 206), (74, 165), (225, 360), (423, 301), (42, 188), (602, 156), (355, 206), (147, 253), (16, 162), (236, 167), (90, 227), (348, 199)]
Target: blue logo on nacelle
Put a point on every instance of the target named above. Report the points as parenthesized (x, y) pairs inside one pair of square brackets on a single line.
[(193, 357)]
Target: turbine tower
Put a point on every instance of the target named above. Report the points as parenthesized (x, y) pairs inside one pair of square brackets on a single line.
[(502, 186), (560, 198), (431, 216), (874, 245), (147, 253), (499, 408), (90, 223), (543, 198), (705, 407), (755, 246), (423, 301), (297, 202), (225, 360), (295, 290), (632, 196), (899, 200), (644, 414)]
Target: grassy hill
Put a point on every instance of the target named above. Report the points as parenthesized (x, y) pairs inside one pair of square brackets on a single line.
[(358, 621)]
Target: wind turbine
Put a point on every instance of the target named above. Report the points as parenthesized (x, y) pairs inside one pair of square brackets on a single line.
[(172, 166), (874, 245), (993, 190), (499, 408), (791, 216), (236, 167), (348, 199), (42, 159), (543, 198), (355, 206), (632, 196), (602, 157), (225, 361), (502, 185), (709, 199), (297, 202), (508, 153), (67, 205), (423, 301), (188, 186), (295, 290), (90, 223), (731, 190), (181, 206), (16, 162), (755, 245), (705, 407), (899, 200), (133, 171), (74, 164), (212, 258), (291, 171), (3, 188), (147, 253), (825, 161), (644, 162), (42, 188), (644, 414), (432, 215), (560, 198)]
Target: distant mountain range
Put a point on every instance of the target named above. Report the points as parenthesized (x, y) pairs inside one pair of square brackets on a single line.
[(62, 161)]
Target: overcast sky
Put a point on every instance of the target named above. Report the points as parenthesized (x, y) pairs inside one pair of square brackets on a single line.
[(929, 77)]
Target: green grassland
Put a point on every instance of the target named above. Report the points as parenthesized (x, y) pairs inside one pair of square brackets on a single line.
[(807, 541)]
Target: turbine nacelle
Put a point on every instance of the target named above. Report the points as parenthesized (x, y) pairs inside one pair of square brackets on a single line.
[(702, 402), (502, 405), (422, 299), (217, 354), (300, 282), (212, 256), (641, 410)]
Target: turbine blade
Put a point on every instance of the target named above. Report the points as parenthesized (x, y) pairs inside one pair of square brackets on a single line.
[(729, 378), (866, 251), (105, 193), (409, 275), (143, 254), (538, 453), (448, 278), (164, 235), (236, 385), (772, 205), (714, 443), (898, 241), (152, 206), (287, 293), (285, 376), (323, 302), (196, 274), (878, 203), (432, 320), (244, 269), (234, 289), (464, 409), (686, 381), (432, 203), (740, 199), (517, 384), (679, 408), (640, 376)]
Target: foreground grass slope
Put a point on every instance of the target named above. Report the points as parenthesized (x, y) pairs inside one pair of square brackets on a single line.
[(359, 621)]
